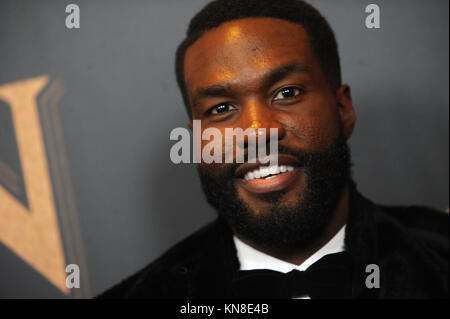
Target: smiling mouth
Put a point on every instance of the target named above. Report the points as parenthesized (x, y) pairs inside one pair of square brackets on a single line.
[(267, 172), (258, 178)]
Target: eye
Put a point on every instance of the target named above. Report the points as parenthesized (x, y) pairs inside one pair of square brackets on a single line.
[(221, 109), (287, 93)]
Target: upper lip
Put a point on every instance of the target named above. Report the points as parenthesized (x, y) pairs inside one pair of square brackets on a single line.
[(283, 159)]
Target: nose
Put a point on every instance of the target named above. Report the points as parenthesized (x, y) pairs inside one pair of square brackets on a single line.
[(258, 116)]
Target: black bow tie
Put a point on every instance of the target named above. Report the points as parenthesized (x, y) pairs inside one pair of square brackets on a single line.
[(329, 277)]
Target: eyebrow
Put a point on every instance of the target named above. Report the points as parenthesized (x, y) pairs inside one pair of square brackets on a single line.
[(281, 72), (272, 76)]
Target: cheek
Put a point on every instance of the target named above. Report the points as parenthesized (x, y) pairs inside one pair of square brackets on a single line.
[(213, 145), (211, 169), (314, 126)]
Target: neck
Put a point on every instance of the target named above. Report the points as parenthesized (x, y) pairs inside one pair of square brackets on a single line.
[(298, 256)]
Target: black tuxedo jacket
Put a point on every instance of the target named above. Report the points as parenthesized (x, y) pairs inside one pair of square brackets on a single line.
[(409, 244)]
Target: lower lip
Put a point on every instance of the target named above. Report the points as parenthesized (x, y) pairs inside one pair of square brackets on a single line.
[(273, 184)]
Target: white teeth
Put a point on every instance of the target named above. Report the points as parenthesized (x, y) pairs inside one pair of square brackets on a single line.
[(263, 171), (275, 169)]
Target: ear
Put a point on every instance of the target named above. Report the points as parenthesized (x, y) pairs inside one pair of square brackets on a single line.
[(346, 111)]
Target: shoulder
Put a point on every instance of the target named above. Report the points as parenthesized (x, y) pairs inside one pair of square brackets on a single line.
[(403, 229), (409, 243), (420, 219), (425, 226), (167, 267)]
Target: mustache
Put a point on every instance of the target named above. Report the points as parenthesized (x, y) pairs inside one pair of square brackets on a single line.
[(227, 170), (338, 151)]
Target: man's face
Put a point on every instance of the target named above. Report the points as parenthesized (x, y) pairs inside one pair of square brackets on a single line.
[(262, 73)]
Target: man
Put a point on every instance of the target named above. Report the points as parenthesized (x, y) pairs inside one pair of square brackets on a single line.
[(299, 229)]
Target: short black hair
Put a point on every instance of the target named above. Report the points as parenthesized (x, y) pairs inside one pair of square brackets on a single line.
[(321, 36)]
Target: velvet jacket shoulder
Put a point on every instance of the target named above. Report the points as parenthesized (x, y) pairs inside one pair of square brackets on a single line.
[(409, 244)]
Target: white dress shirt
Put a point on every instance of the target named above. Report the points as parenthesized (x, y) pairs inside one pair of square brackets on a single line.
[(250, 258)]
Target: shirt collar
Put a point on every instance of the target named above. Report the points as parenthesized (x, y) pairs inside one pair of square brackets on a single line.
[(250, 258)]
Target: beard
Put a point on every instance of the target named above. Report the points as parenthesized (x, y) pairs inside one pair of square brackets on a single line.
[(284, 226)]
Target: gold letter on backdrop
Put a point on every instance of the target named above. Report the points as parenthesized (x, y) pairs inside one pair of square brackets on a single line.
[(32, 233)]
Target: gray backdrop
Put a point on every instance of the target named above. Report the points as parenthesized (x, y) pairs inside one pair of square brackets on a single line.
[(121, 101)]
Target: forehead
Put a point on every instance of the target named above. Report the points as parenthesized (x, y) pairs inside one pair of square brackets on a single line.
[(244, 49)]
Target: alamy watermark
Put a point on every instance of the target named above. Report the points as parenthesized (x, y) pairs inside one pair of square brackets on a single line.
[(373, 279), (73, 17), (73, 276), (373, 19), (231, 147)]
